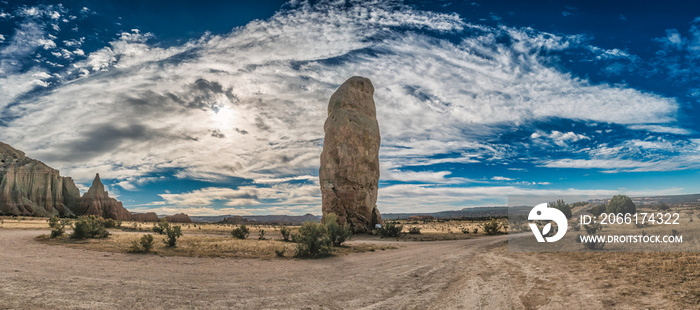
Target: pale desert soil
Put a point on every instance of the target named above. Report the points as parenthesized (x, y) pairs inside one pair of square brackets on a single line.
[(476, 273)]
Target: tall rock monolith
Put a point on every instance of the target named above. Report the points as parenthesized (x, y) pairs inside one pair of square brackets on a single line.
[(349, 173)]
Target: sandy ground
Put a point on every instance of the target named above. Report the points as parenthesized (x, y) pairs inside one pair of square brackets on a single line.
[(477, 273)]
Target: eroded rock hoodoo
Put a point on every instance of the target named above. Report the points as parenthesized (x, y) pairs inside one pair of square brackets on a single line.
[(97, 202), (349, 172)]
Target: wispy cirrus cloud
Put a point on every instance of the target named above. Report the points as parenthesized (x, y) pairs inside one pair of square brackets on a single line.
[(251, 104)]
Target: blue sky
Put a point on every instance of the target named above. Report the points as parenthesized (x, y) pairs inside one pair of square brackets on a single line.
[(212, 108)]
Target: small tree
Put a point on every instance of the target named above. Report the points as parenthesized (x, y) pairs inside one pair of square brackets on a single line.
[(313, 241), (241, 232), (262, 235), (286, 233), (172, 233), (621, 204), (390, 229), (337, 233)]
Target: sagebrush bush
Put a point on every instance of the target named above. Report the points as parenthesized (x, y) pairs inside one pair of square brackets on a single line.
[(337, 233), (87, 227), (391, 230), (143, 246), (492, 227), (313, 241), (592, 228), (241, 232), (110, 223), (286, 233), (159, 228), (595, 245), (414, 231), (262, 235), (57, 226), (280, 253)]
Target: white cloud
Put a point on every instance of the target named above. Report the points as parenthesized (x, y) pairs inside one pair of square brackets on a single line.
[(136, 108), (246, 196), (501, 178), (559, 138), (660, 129)]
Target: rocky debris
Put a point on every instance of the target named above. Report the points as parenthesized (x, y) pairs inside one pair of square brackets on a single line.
[(179, 218), (144, 217), (97, 202), (349, 172), (29, 187), (236, 219)]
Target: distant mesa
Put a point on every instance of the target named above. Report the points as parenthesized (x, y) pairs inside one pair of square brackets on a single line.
[(144, 217), (349, 172), (179, 218), (236, 219), (421, 218)]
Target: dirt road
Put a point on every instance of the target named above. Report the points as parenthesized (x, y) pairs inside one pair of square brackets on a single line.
[(464, 274)]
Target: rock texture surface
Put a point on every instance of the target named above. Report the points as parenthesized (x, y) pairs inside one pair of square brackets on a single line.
[(179, 218), (349, 172), (97, 202), (29, 187), (144, 217)]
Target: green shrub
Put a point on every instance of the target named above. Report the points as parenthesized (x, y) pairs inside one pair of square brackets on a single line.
[(86, 227), (492, 227), (143, 246), (286, 233), (597, 210), (621, 204), (240, 232), (391, 230), (337, 233), (475, 230), (159, 228), (262, 235), (593, 228), (313, 241), (172, 233), (414, 231), (110, 223), (561, 206), (465, 230), (57, 226), (280, 253)]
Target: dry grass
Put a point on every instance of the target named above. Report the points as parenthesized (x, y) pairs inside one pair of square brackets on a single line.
[(204, 246), (8, 222), (629, 276), (440, 230)]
